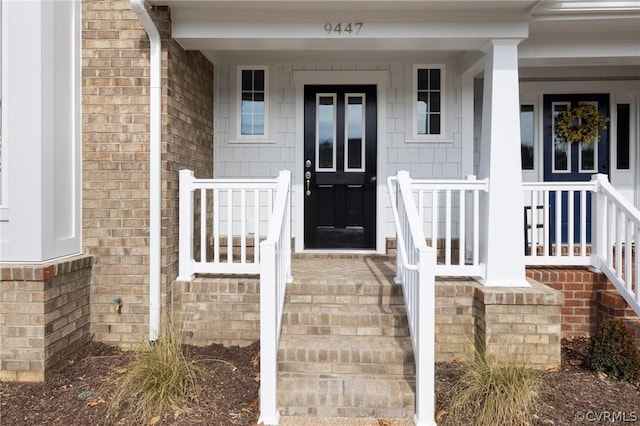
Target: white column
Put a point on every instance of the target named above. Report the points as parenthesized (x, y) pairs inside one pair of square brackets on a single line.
[(41, 70), (502, 239), (467, 124)]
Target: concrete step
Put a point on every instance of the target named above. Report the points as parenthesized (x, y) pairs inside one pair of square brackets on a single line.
[(341, 320)]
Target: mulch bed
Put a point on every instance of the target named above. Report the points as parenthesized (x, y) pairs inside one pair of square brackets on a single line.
[(228, 394)]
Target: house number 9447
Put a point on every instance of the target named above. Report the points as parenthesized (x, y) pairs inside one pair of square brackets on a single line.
[(347, 28)]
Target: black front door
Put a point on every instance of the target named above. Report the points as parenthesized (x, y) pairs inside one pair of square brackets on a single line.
[(578, 161), (340, 139)]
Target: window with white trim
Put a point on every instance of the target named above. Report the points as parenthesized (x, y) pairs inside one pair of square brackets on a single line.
[(252, 94), (428, 102), (623, 139), (527, 136)]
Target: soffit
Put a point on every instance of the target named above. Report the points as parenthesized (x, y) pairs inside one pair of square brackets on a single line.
[(224, 29)]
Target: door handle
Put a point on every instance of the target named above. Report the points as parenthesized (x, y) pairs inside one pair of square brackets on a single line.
[(307, 176)]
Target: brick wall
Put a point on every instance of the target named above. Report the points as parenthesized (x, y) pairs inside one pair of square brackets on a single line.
[(219, 310), (589, 299), (115, 99), (611, 304), (455, 320), (44, 316), (581, 289), (187, 139)]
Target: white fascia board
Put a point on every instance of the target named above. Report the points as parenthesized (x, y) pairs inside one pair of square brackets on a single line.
[(307, 45), (580, 6), (593, 49), (419, 36), (368, 30)]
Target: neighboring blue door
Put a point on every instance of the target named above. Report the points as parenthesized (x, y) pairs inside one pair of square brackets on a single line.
[(564, 162)]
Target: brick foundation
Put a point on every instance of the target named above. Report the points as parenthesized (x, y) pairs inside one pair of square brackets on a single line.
[(218, 310), (589, 299), (455, 319), (44, 316), (580, 288), (612, 305)]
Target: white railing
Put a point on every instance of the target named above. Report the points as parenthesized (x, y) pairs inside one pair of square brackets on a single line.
[(556, 222), (416, 273), (275, 273), (449, 210), (584, 223), (572, 223), (222, 222), (616, 237)]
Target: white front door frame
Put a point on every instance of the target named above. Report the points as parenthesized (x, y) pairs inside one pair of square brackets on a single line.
[(378, 78)]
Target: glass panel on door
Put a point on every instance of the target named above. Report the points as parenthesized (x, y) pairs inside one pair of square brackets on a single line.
[(561, 152), (326, 132), (354, 152)]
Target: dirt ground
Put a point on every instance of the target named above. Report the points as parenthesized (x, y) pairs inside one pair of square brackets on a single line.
[(570, 396)]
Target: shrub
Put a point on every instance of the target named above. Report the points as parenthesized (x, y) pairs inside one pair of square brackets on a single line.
[(157, 377), (495, 390), (612, 350)]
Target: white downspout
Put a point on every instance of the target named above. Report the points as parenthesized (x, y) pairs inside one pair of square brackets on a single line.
[(155, 175)]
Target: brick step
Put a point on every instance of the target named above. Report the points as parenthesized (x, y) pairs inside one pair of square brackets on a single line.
[(366, 356), (354, 320), (345, 350), (336, 291), (305, 395), (614, 304)]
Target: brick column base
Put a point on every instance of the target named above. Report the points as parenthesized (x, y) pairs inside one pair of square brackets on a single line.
[(44, 316), (525, 320)]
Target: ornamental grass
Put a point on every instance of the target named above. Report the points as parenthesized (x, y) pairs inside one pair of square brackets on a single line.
[(158, 377), (495, 390)]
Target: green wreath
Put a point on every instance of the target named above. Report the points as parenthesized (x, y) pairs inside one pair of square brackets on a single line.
[(580, 124)]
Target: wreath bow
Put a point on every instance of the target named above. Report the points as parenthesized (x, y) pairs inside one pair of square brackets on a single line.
[(580, 124)]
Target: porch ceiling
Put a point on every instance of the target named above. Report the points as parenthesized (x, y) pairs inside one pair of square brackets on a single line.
[(554, 32), (243, 28)]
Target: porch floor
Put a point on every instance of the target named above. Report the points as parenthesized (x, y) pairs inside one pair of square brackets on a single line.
[(309, 267)]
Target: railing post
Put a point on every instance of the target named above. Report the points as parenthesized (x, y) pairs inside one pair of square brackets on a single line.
[(268, 336), (598, 223), (285, 176), (425, 367), (185, 230), (471, 231), (274, 271), (402, 179)]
